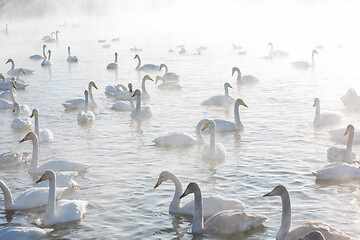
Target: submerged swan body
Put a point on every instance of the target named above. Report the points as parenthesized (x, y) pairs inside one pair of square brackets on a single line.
[(79, 103), (140, 112), (220, 100), (213, 151), (87, 116), (146, 67), (303, 64), (284, 232), (44, 135), (113, 65), (337, 171), (227, 126), (340, 154), (244, 79), (325, 118)]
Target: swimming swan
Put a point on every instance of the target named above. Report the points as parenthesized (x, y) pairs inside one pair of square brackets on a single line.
[(145, 67), (145, 95), (38, 57), (167, 85), (121, 106), (325, 118), (23, 233), (220, 100), (337, 171), (224, 222), (71, 58), (79, 103), (52, 39), (56, 165), (124, 95), (140, 112), (169, 76), (338, 136), (19, 84), (340, 154), (20, 123), (44, 135), (213, 151), (87, 116), (12, 159), (47, 62), (351, 100), (111, 90), (113, 65), (303, 64), (60, 211), (275, 53), (243, 79), (212, 205), (284, 232), (227, 126), (14, 71)]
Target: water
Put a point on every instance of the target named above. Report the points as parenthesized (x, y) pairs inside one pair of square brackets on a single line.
[(279, 144)]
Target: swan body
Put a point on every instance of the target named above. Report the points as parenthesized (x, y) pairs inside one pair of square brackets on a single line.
[(5, 104), (144, 93), (169, 76), (182, 51), (20, 123), (325, 118), (213, 151), (220, 100), (23, 109), (16, 71), (314, 235), (111, 90), (275, 53), (227, 126), (24, 233), (339, 137), (179, 139), (237, 47), (167, 85), (87, 116), (19, 84), (5, 95), (113, 65), (38, 57), (140, 112), (145, 67), (60, 211), (44, 135), (52, 38), (78, 103), (48, 36), (71, 58), (121, 106), (340, 154), (12, 159), (351, 100), (56, 165), (244, 79), (47, 61), (284, 232), (303, 64), (224, 222), (211, 204), (124, 95), (337, 171)]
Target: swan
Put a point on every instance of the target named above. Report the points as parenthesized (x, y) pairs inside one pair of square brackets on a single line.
[(213, 151), (337, 171), (113, 65), (12, 159), (314, 235), (56, 165), (241, 53), (169, 76), (145, 67), (19, 84), (47, 62), (111, 90), (115, 39), (121, 106), (351, 100), (30, 198), (284, 232), (135, 49), (325, 118), (60, 211), (171, 50), (24, 233), (224, 222), (44, 135), (237, 47), (227, 126), (52, 39), (87, 116), (5, 104), (24, 109), (182, 51), (212, 205), (48, 36), (338, 136), (80, 102), (178, 139), (140, 112), (37, 56), (64, 179), (14, 71), (340, 154), (124, 95), (71, 58), (20, 123), (242, 79), (220, 100), (303, 64), (275, 53), (167, 85), (145, 95)]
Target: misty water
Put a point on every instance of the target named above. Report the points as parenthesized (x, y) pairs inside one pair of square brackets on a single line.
[(279, 144)]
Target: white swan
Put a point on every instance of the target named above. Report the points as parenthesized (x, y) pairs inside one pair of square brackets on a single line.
[(113, 65), (121, 106), (303, 64), (53, 39), (144, 93), (325, 118), (340, 154), (169, 76), (24, 109), (87, 116), (60, 211), (227, 126), (167, 85), (338, 136), (243, 79), (284, 232), (315, 235), (19, 84), (182, 51), (275, 53), (212, 205), (224, 222), (30, 198), (125, 94), (351, 100), (12, 159), (111, 90), (47, 62), (213, 151), (14, 71), (79, 103), (145, 67), (56, 165), (178, 139), (71, 58), (24, 233), (20, 123), (237, 47), (5, 104), (48, 36), (44, 135), (140, 112), (37, 56), (220, 100), (337, 171)]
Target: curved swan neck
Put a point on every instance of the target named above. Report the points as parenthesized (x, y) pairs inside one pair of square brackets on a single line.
[(8, 199), (312, 59), (12, 96), (198, 133), (91, 94), (86, 103), (238, 79), (12, 64), (317, 112), (143, 88), (286, 216), (49, 55), (132, 106), (17, 112), (226, 90), (237, 115), (138, 102), (175, 203), (35, 154), (139, 63), (44, 51), (50, 208), (212, 139), (166, 68), (350, 143), (198, 222)]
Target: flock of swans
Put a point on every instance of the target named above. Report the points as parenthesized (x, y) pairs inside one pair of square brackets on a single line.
[(224, 215)]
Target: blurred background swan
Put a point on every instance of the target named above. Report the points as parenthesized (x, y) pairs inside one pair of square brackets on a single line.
[(71, 58), (16, 71), (220, 100), (243, 79), (145, 67), (324, 118), (113, 65), (47, 62), (167, 85), (24, 233), (340, 154), (38, 57), (351, 100), (87, 116), (275, 53), (304, 64)]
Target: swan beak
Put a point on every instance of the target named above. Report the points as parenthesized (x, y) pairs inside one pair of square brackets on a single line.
[(7, 62), (14, 108), (232, 72), (269, 194), (158, 182), (130, 88), (23, 71), (151, 79), (135, 57), (32, 114), (184, 194), (346, 132), (206, 126), (95, 86), (24, 139), (43, 178), (244, 104), (134, 94), (230, 86), (314, 103)]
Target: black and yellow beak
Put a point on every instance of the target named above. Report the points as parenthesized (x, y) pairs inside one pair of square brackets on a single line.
[(25, 139), (158, 182), (95, 86), (32, 114), (43, 178), (206, 126), (14, 108)]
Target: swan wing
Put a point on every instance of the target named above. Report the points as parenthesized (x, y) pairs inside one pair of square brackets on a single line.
[(62, 165), (175, 140), (24, 233), (328, 232), (225, 126)]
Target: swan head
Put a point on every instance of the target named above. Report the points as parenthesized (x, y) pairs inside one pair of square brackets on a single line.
[(35, 112), (227, 85), (159, 78), (209, 124), (136, 56), (164, 176), (270, 44), (191, 188), (9, 60), (68, 48), (48, 175), (235, 69), (12, 83), (44, 46), (316, 102), (130, 87), (279, 190), (22, 70), (315, 235), (147, 77), (29, 136), (92, 84), (162, 66), (16, 107), (49, 51), (239, 102), (349, 129), (314, 51), (116, 54), (137, 93)]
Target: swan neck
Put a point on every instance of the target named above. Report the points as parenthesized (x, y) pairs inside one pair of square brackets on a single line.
[(12, 65), (91, 94), (37, 131), (238, 79), (138, 103), (49, 56), (35, 154), (198, 222), (317, 113), (212, 139), (198, 134), (68, 52), (50, 208), (86, 103), (44, 52), (17, 112), (226, 90), (312, 59), (115, 58), (166, 69), (237, 116), (132, 106), (139, 63), (143, 88), (286, 217), (12, 97), (350, 143), (8, 199), (175, 203)]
